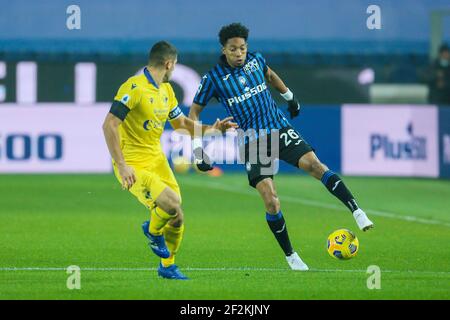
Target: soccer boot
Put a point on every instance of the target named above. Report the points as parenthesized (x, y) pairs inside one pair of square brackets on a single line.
[(156, 243), (296, 263), (361, 219), (171, 272)]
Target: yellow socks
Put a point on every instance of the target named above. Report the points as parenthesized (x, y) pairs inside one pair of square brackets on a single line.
[(158, 220), (173, 236)]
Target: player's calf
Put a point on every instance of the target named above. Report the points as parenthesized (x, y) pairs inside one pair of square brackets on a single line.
[(168, 208), (334, 183)]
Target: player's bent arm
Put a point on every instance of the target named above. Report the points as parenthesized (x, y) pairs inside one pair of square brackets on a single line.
[(196, 129), (275, 81), (184, 123), (111, 133)]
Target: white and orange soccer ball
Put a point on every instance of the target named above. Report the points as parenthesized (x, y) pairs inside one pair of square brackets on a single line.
[(342, 244)]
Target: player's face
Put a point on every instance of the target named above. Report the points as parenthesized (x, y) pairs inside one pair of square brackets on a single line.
[(170, 66), (235, 50)]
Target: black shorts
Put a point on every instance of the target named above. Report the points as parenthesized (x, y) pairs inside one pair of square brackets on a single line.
[(260, 155)]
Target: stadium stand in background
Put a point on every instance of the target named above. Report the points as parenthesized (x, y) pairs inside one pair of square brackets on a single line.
[(343, 57), (344, 73)]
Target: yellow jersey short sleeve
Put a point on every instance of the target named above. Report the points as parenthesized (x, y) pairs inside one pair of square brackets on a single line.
[(128, 94)]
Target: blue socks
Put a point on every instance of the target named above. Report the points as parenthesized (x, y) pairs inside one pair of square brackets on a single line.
[(336, 186), (278, 227)]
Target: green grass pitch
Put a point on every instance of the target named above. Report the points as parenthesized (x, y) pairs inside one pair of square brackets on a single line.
[(49, 222)]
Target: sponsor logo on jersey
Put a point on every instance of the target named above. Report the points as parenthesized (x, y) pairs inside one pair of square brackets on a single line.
[(248, 94), (152, 124)]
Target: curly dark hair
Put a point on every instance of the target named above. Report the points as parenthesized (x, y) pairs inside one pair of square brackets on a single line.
[(232, 31)]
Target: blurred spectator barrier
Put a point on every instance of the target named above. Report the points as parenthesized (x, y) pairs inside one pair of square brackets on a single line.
[(398, 93)]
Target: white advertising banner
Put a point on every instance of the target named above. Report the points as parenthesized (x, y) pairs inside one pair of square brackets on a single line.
[(390, 140), (53, 138)]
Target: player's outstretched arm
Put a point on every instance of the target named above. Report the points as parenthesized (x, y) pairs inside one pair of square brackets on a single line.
[(111, 132), (196, 129), (202, 160), (275, 81)]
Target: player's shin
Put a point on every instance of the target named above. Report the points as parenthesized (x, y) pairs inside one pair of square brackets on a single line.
[(173, 236), (158, 220), (337, 187)]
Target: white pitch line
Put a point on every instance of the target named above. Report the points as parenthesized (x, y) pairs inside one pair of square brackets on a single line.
[(317, 203), (220, 269)]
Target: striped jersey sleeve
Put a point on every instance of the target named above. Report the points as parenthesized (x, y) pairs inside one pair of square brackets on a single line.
[(205, 91)]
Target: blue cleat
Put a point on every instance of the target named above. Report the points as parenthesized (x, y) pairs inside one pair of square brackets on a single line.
[(157, 243), (171, 272)]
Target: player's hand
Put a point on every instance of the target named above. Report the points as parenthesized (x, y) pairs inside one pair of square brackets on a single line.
[(128, 177), (293, 107), (224, 125), (202, 161)]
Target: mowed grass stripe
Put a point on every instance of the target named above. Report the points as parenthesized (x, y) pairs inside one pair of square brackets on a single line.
[(238, 190)]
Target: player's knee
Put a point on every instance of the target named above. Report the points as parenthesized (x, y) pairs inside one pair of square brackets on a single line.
[(173, 209), (178, 221), (317, 168), (174, 205)]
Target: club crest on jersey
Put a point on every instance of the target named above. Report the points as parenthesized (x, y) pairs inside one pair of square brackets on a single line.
[(242, 80), (151, 99), (251, 66)]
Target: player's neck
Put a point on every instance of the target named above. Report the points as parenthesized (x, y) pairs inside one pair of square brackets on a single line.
[(157, 74), (229, 64)]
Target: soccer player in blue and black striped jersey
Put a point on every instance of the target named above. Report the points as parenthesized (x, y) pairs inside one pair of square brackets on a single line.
[(239, 82)]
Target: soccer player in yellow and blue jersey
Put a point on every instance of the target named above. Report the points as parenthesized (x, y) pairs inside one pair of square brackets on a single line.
[(132, 130)]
